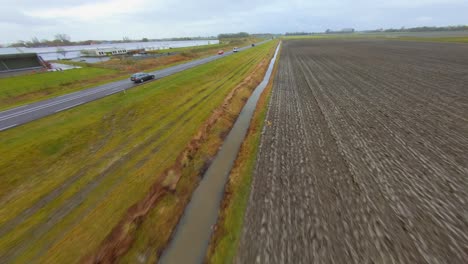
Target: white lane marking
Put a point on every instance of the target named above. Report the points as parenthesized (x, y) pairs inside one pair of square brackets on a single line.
[(68, 107), (7, 127), (13, 109)]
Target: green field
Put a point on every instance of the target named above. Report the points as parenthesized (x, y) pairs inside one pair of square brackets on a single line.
[(24, 89), (78, 171), (226, 44)]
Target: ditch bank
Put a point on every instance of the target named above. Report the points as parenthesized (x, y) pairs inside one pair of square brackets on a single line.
[(228, 229), (175, 185), (191, 237)]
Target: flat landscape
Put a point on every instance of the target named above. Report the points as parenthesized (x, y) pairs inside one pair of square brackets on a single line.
[(68, 179), (363, 158), (29, 88)]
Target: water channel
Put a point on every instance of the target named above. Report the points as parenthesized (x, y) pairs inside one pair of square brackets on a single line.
[(190, 240)]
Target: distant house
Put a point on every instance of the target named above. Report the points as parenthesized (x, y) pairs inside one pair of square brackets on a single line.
[(347, 30), (21, 62), (104, 52)]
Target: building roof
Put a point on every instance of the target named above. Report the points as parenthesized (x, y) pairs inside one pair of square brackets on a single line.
[(17, 55)]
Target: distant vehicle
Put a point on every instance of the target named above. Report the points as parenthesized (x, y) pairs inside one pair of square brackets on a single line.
[(235, 49), (220, 52), (253, 44), (132, 78), (141, 77)]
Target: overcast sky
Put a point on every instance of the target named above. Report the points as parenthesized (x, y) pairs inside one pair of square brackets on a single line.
[(114, 19)]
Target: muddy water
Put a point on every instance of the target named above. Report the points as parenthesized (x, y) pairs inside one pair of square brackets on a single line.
[(190, 241)]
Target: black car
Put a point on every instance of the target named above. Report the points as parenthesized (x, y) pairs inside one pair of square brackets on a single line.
[(132, 78), (141, 77)]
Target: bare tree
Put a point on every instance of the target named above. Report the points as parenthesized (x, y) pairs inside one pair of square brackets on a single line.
[(64, 38), (35, 41), (19, 43), (126, 39), (62, 51)]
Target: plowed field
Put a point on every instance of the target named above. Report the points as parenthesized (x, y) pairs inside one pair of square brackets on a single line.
[(364, 156)]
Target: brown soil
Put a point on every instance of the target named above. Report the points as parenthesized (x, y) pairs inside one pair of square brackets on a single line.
[(365, 158)]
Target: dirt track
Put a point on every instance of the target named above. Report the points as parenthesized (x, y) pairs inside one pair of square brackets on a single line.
[(364, 158)]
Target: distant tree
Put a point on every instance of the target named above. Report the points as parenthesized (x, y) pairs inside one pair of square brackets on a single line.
[(126, 39), (234, 35), (144, 40), (19, 43), (328, 31), (35, 41), (62, 51), (64, 38)]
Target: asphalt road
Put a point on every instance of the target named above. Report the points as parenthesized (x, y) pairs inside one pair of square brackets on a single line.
[(27, 113)]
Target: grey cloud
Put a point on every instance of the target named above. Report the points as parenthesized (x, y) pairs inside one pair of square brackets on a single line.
[(171, 18), (9, 16)]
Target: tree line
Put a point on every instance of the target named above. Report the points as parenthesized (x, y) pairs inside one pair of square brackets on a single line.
[(402, 29), (233, 35), (422, 29), (59, 40)]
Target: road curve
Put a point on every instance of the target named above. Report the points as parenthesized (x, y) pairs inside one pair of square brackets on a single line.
[(23, 114)]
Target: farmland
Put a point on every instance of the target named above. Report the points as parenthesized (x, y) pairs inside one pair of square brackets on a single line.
[(455, 37), (67, 180), (29, 88), (365, 156)]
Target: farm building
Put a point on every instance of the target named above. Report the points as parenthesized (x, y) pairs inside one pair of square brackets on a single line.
[(19, 62), (347, 30), (104, 52)]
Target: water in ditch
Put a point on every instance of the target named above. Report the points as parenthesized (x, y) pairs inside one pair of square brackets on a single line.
[(192, 234)]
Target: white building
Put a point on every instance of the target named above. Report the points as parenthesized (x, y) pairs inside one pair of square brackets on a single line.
[(104, 52)]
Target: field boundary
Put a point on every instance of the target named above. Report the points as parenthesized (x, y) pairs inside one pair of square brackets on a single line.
[(119, 241), (234, 201)]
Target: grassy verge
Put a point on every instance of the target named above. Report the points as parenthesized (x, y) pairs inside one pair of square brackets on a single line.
[(24, 89), (225, 238), (102, 157), (154, 233), (226, 44), (20, 90), (182, 55)]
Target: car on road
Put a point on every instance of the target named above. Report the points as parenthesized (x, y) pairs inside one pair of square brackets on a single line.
[(141, 77), (235, 49), (253, 44), (132, 78), (220, 52)]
